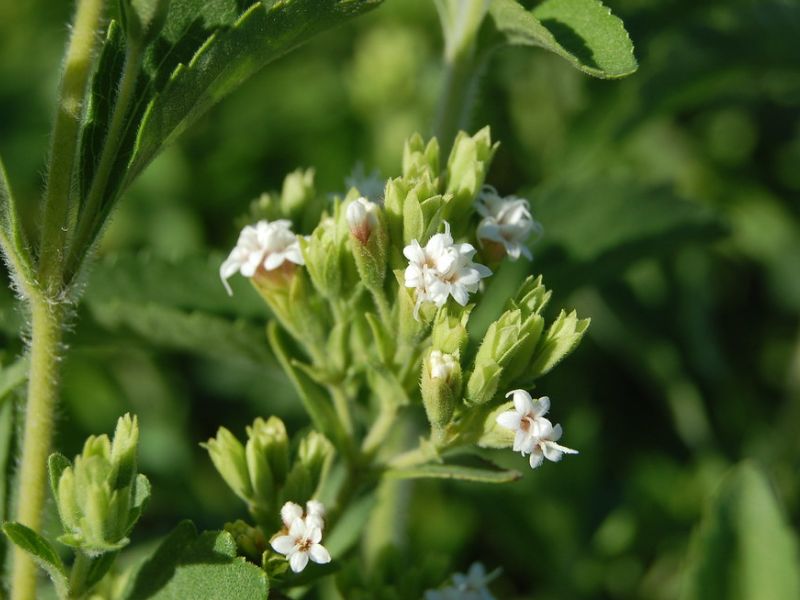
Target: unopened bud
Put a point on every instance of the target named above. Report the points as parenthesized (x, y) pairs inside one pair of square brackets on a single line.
[(367, 226), (228, 456), (441, 388)]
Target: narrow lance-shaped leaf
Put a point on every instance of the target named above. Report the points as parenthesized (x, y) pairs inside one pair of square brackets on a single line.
[(42, 552), (13, 247), (584, 32)]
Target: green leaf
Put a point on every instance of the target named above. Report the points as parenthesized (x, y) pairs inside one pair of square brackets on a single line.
[(584, 32), (12, 238), (188, 565), (239, 44), (348, 529), (744, 549), (316, 402), (12, 376), (595, 229), (464, 473), (196, 332), (6, 441), (42, 552)]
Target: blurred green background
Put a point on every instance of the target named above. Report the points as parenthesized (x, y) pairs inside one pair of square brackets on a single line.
[(671, 209)]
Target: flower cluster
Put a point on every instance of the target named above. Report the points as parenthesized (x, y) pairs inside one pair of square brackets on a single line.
[(534, 434), (300, 538), (506, 222), (265, 245), (442, 269)]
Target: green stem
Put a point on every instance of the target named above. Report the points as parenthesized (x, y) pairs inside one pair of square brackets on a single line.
[(382, 303), (461, 20), (77, 68), (91, 211), (46, 333), (77, 577)]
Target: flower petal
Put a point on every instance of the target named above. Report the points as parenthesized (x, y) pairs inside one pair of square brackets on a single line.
[(283, 544), (298, 561), (509, 419), (319, 554)]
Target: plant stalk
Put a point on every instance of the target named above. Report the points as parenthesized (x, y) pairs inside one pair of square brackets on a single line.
[(46, 334), (64, 145)]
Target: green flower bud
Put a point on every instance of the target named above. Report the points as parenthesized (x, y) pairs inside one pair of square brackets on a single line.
[(143, 19), (441, 388), (322, 252), (450, 328), (531, 298), (505, 352), (267, 456), (369, 240), (228, 456), (466, 172), (393, 199), (420, 160), (563, 336), (309, 468), (422, 214), (100, 496), (250, 541), (298, 191)]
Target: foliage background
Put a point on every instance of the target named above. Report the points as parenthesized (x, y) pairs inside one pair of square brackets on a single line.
[(671, 208)]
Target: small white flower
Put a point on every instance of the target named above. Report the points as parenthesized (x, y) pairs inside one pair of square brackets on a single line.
[(362, 218), (472, 586), (301, 543), (290, 512), (316, 510), (441, 364), (534, 434), (442, 269), (265, 245), (506, 221)]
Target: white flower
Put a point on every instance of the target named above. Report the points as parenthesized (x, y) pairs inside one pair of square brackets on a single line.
[(534, 434), (301, 543), (442, 269), (472, 586), (316, 510), (506, 221), (362, 218), (265, 245), (441, 364), (290, 512)]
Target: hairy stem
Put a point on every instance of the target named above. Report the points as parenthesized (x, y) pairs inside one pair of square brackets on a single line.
[(88, 221), (77, 68), (46, 331), (77, 577)]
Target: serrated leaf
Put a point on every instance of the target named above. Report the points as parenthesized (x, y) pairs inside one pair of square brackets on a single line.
[(744, 549), (463, 473), (42, 552), (584, 32), (196, 332), (188, 565), (227, 57)]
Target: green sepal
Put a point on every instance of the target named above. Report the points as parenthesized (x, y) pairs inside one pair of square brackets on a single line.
[(562, 337)]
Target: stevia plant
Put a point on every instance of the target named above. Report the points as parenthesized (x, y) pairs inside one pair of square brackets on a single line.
[(371, 303)]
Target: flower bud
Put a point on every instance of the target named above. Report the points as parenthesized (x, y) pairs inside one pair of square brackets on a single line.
[(562, 337), (250, 541), (369, 239), (229, 458), (322, 251), (450, 329), (441, 388), (531, 298), (420, 160), (100, 496), (298, 191), (309, 468), (267, 456), (504, 353), (466, 171)]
